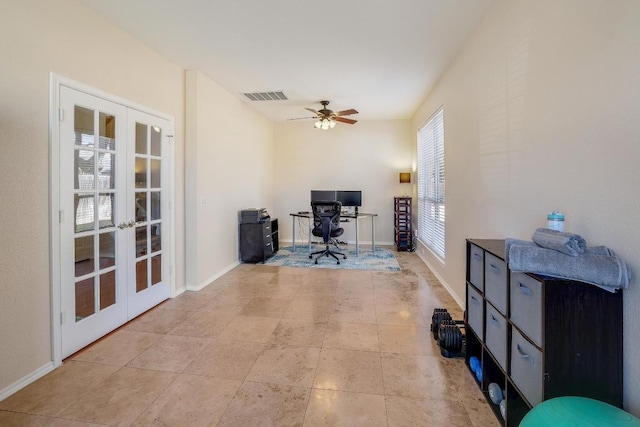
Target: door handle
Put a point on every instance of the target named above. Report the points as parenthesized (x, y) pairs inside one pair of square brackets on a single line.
[(494, 320), (129, 224), (524, 355), (525, 290)]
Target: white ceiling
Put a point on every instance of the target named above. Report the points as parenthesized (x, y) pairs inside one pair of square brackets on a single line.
[(380, 57)]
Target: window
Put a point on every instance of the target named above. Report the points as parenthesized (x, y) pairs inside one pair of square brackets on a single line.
[(431, 184)]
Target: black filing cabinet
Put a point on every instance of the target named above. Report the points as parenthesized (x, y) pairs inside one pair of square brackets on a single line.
[(255, 242)]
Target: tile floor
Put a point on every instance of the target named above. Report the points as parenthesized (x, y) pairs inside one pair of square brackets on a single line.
[(270, 346)]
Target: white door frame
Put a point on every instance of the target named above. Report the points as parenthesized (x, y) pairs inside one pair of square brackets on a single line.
[(55, 82)]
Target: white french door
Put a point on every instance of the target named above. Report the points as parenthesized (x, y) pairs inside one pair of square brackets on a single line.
[(113, 231), (146, 226)]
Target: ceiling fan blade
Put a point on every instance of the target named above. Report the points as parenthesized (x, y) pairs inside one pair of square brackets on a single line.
[(303, 118), (347, 112), (344, 120), (312, 110)]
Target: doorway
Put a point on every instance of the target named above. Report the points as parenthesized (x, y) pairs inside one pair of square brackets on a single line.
[(112, 239)]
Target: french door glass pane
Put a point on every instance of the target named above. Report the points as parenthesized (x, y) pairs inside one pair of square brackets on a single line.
[(141, 206), (84, 212), (141, 275), (107, 124), (107, 289), (84, 169), (84, 256), (155, 205), (156, 269), (156, 240), (107, 249), (106, 210), (141, 241), (155, 174), (83, 126), (141, 172), (106, 171), (156, 134), (85, 298), (141, 138)]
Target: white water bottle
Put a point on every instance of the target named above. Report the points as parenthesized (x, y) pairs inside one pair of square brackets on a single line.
[(555, 221)]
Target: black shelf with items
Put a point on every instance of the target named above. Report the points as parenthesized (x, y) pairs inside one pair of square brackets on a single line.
[(402, 226), (537, 337)]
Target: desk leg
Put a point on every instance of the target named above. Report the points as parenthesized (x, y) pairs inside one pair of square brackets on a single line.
[(309, 234), (293, 231), (373, 234), (357, 240)]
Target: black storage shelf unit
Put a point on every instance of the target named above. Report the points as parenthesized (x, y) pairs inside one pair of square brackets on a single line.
[(403, 230), (539, 337), (275, 243)]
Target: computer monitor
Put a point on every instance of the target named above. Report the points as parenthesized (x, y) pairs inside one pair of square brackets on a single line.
[(323, 195), (349, 198)]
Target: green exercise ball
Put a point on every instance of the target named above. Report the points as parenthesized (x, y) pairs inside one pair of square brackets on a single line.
[(572, 411)]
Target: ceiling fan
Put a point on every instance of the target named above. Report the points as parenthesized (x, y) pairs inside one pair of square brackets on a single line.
[(327, 119)]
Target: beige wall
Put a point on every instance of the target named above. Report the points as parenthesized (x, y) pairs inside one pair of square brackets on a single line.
[(542, 112), (229, 164), (366, 156), (229, 167), (36, 38)]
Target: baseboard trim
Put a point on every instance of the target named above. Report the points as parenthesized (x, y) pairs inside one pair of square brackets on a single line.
[(179, 291), (26, 380), (442, 281), (214, 277)]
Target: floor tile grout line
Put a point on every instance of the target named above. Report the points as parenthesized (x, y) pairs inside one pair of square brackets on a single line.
[(382, 281)]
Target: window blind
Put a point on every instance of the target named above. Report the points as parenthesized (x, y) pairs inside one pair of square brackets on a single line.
[(431, 206)]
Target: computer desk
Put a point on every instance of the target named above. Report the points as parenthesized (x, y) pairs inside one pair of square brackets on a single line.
[(355, 217)]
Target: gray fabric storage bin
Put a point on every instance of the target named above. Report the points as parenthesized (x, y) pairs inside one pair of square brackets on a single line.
[(526, 367), (526, 305), (496, 335), (476, 267), (495, 282), (475, 311)]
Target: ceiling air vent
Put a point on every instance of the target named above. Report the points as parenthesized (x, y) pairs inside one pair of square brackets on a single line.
[(266, 96)]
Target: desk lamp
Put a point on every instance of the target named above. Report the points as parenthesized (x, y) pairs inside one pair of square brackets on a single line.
[(405, 178)]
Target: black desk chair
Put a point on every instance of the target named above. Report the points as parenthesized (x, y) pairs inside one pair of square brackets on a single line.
[(326, 224)]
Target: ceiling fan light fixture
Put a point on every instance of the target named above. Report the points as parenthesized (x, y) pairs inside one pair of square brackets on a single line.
[(324, 124), (327, 119)]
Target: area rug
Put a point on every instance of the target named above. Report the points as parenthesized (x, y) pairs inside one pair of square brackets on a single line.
[(383, 259)]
